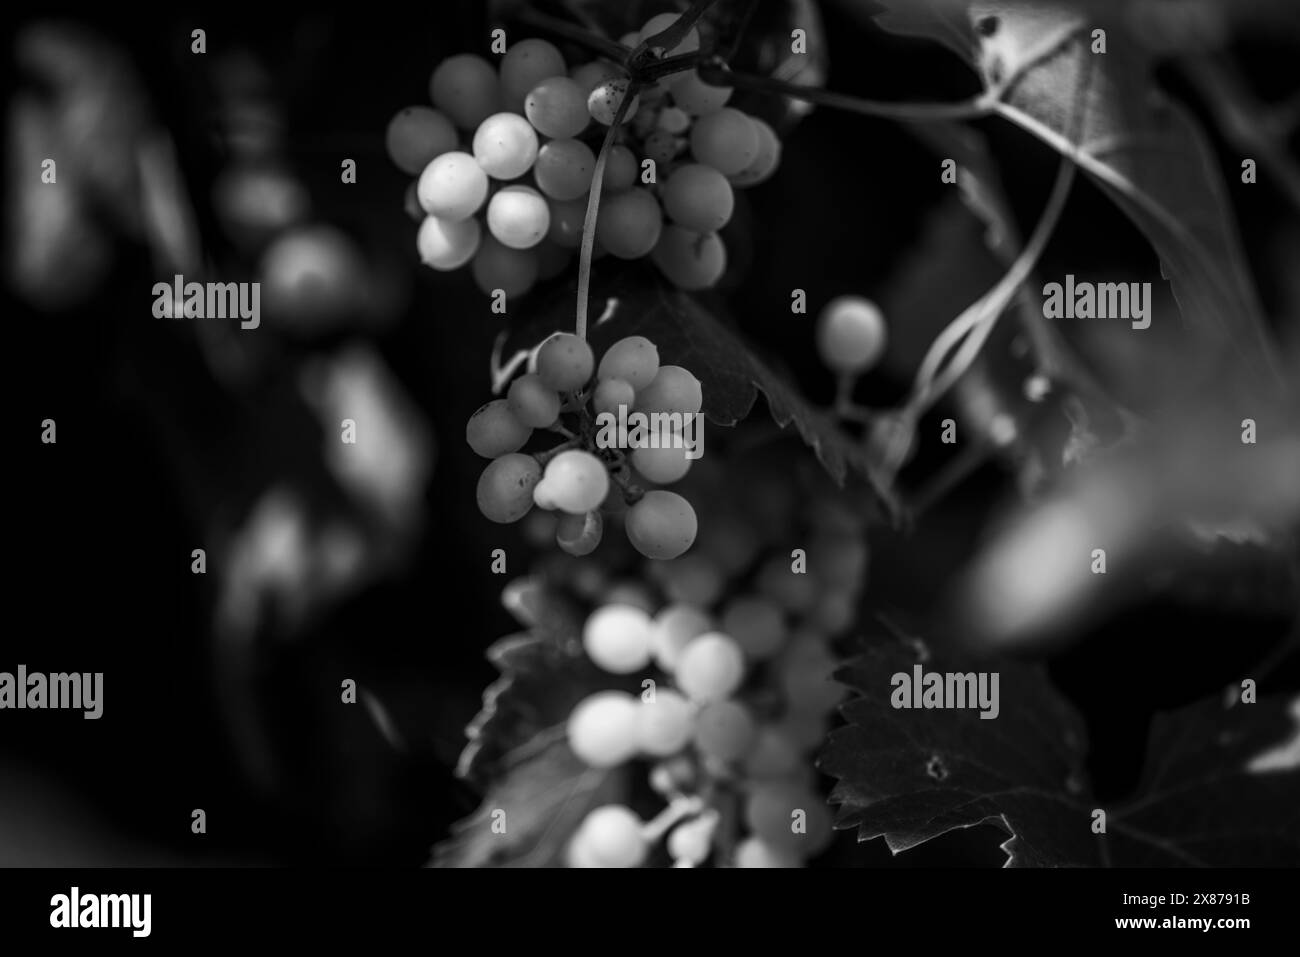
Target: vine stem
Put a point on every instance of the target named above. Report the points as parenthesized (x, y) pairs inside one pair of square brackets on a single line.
[(593, 207), (669, 39)]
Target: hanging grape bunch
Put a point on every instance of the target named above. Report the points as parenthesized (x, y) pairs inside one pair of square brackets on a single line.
[(507, 157)]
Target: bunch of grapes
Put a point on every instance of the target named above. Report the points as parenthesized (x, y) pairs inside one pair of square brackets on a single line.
[(593, 474), (732, 646), (514, 149)]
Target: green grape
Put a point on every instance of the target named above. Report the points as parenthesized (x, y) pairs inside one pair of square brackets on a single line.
[(493, 430), (673, 627), (724, 730), (452, 187), (696, 97), (497, 266), (698, 197), (662, 525), (851, 334), (775, 754), (666, 725), (605, 99), (575, 482), (505, 489), (633, 359), (710, 667), (727, 140), (610, 836), (690, 260), (588, 76), (765, 163), (532, 403), (563, 169), (617, 638), (565, 362), (755, 852), (579, 534), (629, 223), (662, 147), (567, 220), (539, 531), (505, 145), (675, 120), (602, 728), (465, 87), (557, 107), (525, 65), (692, 579), (620, 170), (757, 624), (447, 245), (613, 394), (416, 135), (772, 813), (691, 842), (518, 217), (662, 466), (672, 390)]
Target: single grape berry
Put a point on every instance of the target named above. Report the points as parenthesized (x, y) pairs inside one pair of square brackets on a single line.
[(526, 64), (710, 667), (579, 534), (851, 334), (667, 722), (497, 266), (773, 755), (575, 482), (698, 197), (757, 624), (605, 99), (690, 260), (664, 465), (662, 525), (727, 140), (620, 171), (494, 430), (755, 852), (602, 728), (564, 168), (465, 87), (447, 245), (724, 730), (770, 813), (696, 97), (557, 107), (766, 162), (565, 362), (673, 627), (505, 489), (674, 120), (518, 216), (691, 842), (673, 389), (610, 836), (416, 135), (613, 394), (634, 359), (532, 403), (617, 638), (452, 187), (505, 145), (588, 76), (629, 223)]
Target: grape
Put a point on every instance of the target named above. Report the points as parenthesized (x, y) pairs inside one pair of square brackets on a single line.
[(505, 145), (579, 534), (662, 466), (806, 680), (724, 730), (620, 170), (675, 120), (757, 624), (631, 593), (633, 359), (769, 812), (673, 628), (526, 64), (698, 197), (835, 612), (691, 260), (672, 390), (726, 140), (755, 852), (629, 223), (851, 334), (765, 163), (774, 754), (691, 842), (575, 482), (532, 403), (662, 525), (564, 168), (662, 147), (552, 259), (557, 107), (445, 245), (611, 394), (605, 99), (793, 591), (497, 266), (519, 217), (696, 97), (610, 836), (710, 667), (630, 40), (567, 220), (452, 187), (565, 362), (493, 430), (416, 135), (658, 24), (465, 88), (505, 489), (693, 579), (647, 115), (539, 531), (666, 724), (617, 639), (602, 728)]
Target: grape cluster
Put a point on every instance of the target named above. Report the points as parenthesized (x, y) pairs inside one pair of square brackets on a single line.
[(514, 149), (592, 475), (736, 638)]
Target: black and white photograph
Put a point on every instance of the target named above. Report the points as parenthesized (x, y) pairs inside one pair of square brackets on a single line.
[(715, 434)]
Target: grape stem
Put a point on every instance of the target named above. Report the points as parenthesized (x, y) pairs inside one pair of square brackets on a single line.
[(670, 38), (680, 807)]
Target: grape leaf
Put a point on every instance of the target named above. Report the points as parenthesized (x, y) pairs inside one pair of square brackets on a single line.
[(1143, 150), (913, 775), (633, 302)]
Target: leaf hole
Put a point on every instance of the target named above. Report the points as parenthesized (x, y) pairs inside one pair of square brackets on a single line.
[(935, 768), (987, 26)]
